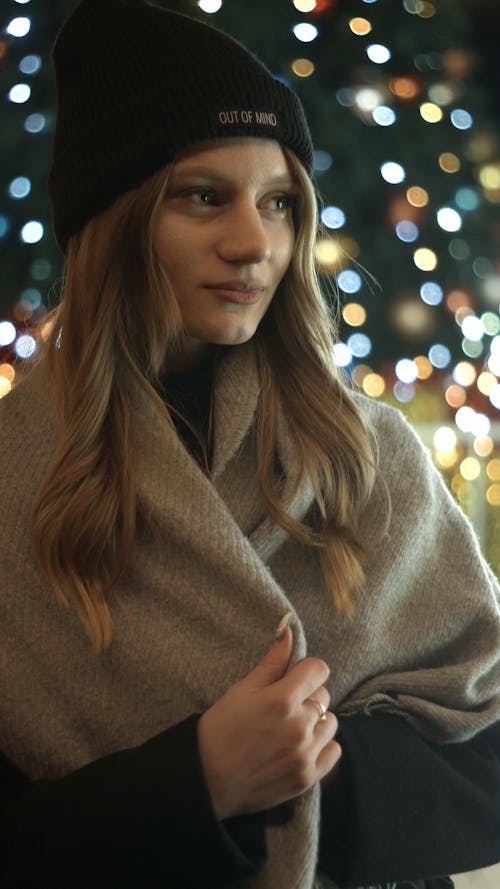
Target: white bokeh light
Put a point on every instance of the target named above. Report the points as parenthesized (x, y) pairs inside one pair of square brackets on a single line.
[(360, 345), (464, 418), (210, 5), (32, 232), (305, 32), (333, 217), (431, 293), (367, 99), (342, 355), (25, 346), (461, 119), (481, 425), (19, 27), (384, 116), (449, 220), (406, 370), (393, 173), (494, 396), (472, 328), (20, 187), (349, 281), (19, 93), (439, 355), (407, 231), (444, 439), (378, 53), (7, 333)]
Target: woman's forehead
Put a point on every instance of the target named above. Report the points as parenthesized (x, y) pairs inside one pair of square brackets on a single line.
[(248, 155)]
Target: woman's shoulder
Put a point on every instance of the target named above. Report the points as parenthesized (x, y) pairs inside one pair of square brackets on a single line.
[(389, 424), (403, 459)]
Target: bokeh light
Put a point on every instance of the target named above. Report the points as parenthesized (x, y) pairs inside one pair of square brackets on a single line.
[(333, 217), (470, 469), (19, 27), (305, 32), (378, 53), (374, 385), (354, 314), (449, 162), (350, 281), (360, 26), (430, 112), (425, 259), (303, 67), (392, 172), (417, 196)]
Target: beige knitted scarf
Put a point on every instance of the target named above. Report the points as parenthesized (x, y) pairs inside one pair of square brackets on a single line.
[(199, 605)]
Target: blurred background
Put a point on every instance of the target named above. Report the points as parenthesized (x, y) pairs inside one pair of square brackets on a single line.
[(403, 100)]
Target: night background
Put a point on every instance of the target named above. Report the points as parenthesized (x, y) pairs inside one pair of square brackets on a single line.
[(403, 102)]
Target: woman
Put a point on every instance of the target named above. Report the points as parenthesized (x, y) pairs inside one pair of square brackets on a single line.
[(203, 475)]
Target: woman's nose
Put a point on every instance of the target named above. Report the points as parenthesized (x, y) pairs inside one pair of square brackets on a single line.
[(243, 237)]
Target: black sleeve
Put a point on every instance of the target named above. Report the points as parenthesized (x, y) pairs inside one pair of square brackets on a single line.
[(139, 817), (403, 808)]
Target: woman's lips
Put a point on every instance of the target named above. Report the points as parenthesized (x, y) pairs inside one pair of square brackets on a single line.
[(238, 292)]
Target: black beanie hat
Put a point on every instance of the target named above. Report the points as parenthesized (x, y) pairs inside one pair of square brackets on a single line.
[(137, 83)]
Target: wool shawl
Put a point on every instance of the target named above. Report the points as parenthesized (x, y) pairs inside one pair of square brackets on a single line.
[(202, 596)]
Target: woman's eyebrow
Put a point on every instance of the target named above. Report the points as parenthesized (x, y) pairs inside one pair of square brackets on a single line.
[(283, 180)]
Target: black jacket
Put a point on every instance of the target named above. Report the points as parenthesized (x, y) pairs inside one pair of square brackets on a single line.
[(399, 809)]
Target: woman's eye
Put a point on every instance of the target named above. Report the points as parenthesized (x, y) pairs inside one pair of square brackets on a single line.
[(282, 202), (201, 195)]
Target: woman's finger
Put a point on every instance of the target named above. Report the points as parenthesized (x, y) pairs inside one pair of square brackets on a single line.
[(318, 701)]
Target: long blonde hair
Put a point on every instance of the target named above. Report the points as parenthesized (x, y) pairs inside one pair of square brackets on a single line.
[(118, 317)]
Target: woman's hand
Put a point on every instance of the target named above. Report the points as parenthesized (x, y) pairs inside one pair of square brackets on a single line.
[(264, 742)]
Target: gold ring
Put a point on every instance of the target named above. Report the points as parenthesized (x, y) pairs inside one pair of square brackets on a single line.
[(320, 708)]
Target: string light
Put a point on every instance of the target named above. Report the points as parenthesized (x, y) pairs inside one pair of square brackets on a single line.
[(360, 26), (384, 116), (20, 93), (342, 355), (425, 259), (404, 87), (333, 217), (470, 468), (417, 196), (448, 219), (449, 162), (354, 314), (305, 32), (328, 254), (32, 232), (35, 123), (304, 5), (349, 281), (30, 64), (374, 385), (7, 333), (378, 53), (461, 119), (431, 293), (392, 172), (303, 67), (430, 112), (210, 6), (424, 367), (19, 27)]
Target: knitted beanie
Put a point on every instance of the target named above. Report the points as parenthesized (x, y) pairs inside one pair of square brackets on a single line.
[(137, 83)]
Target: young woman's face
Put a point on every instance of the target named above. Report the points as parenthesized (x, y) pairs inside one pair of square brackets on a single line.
[(225, 237)]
